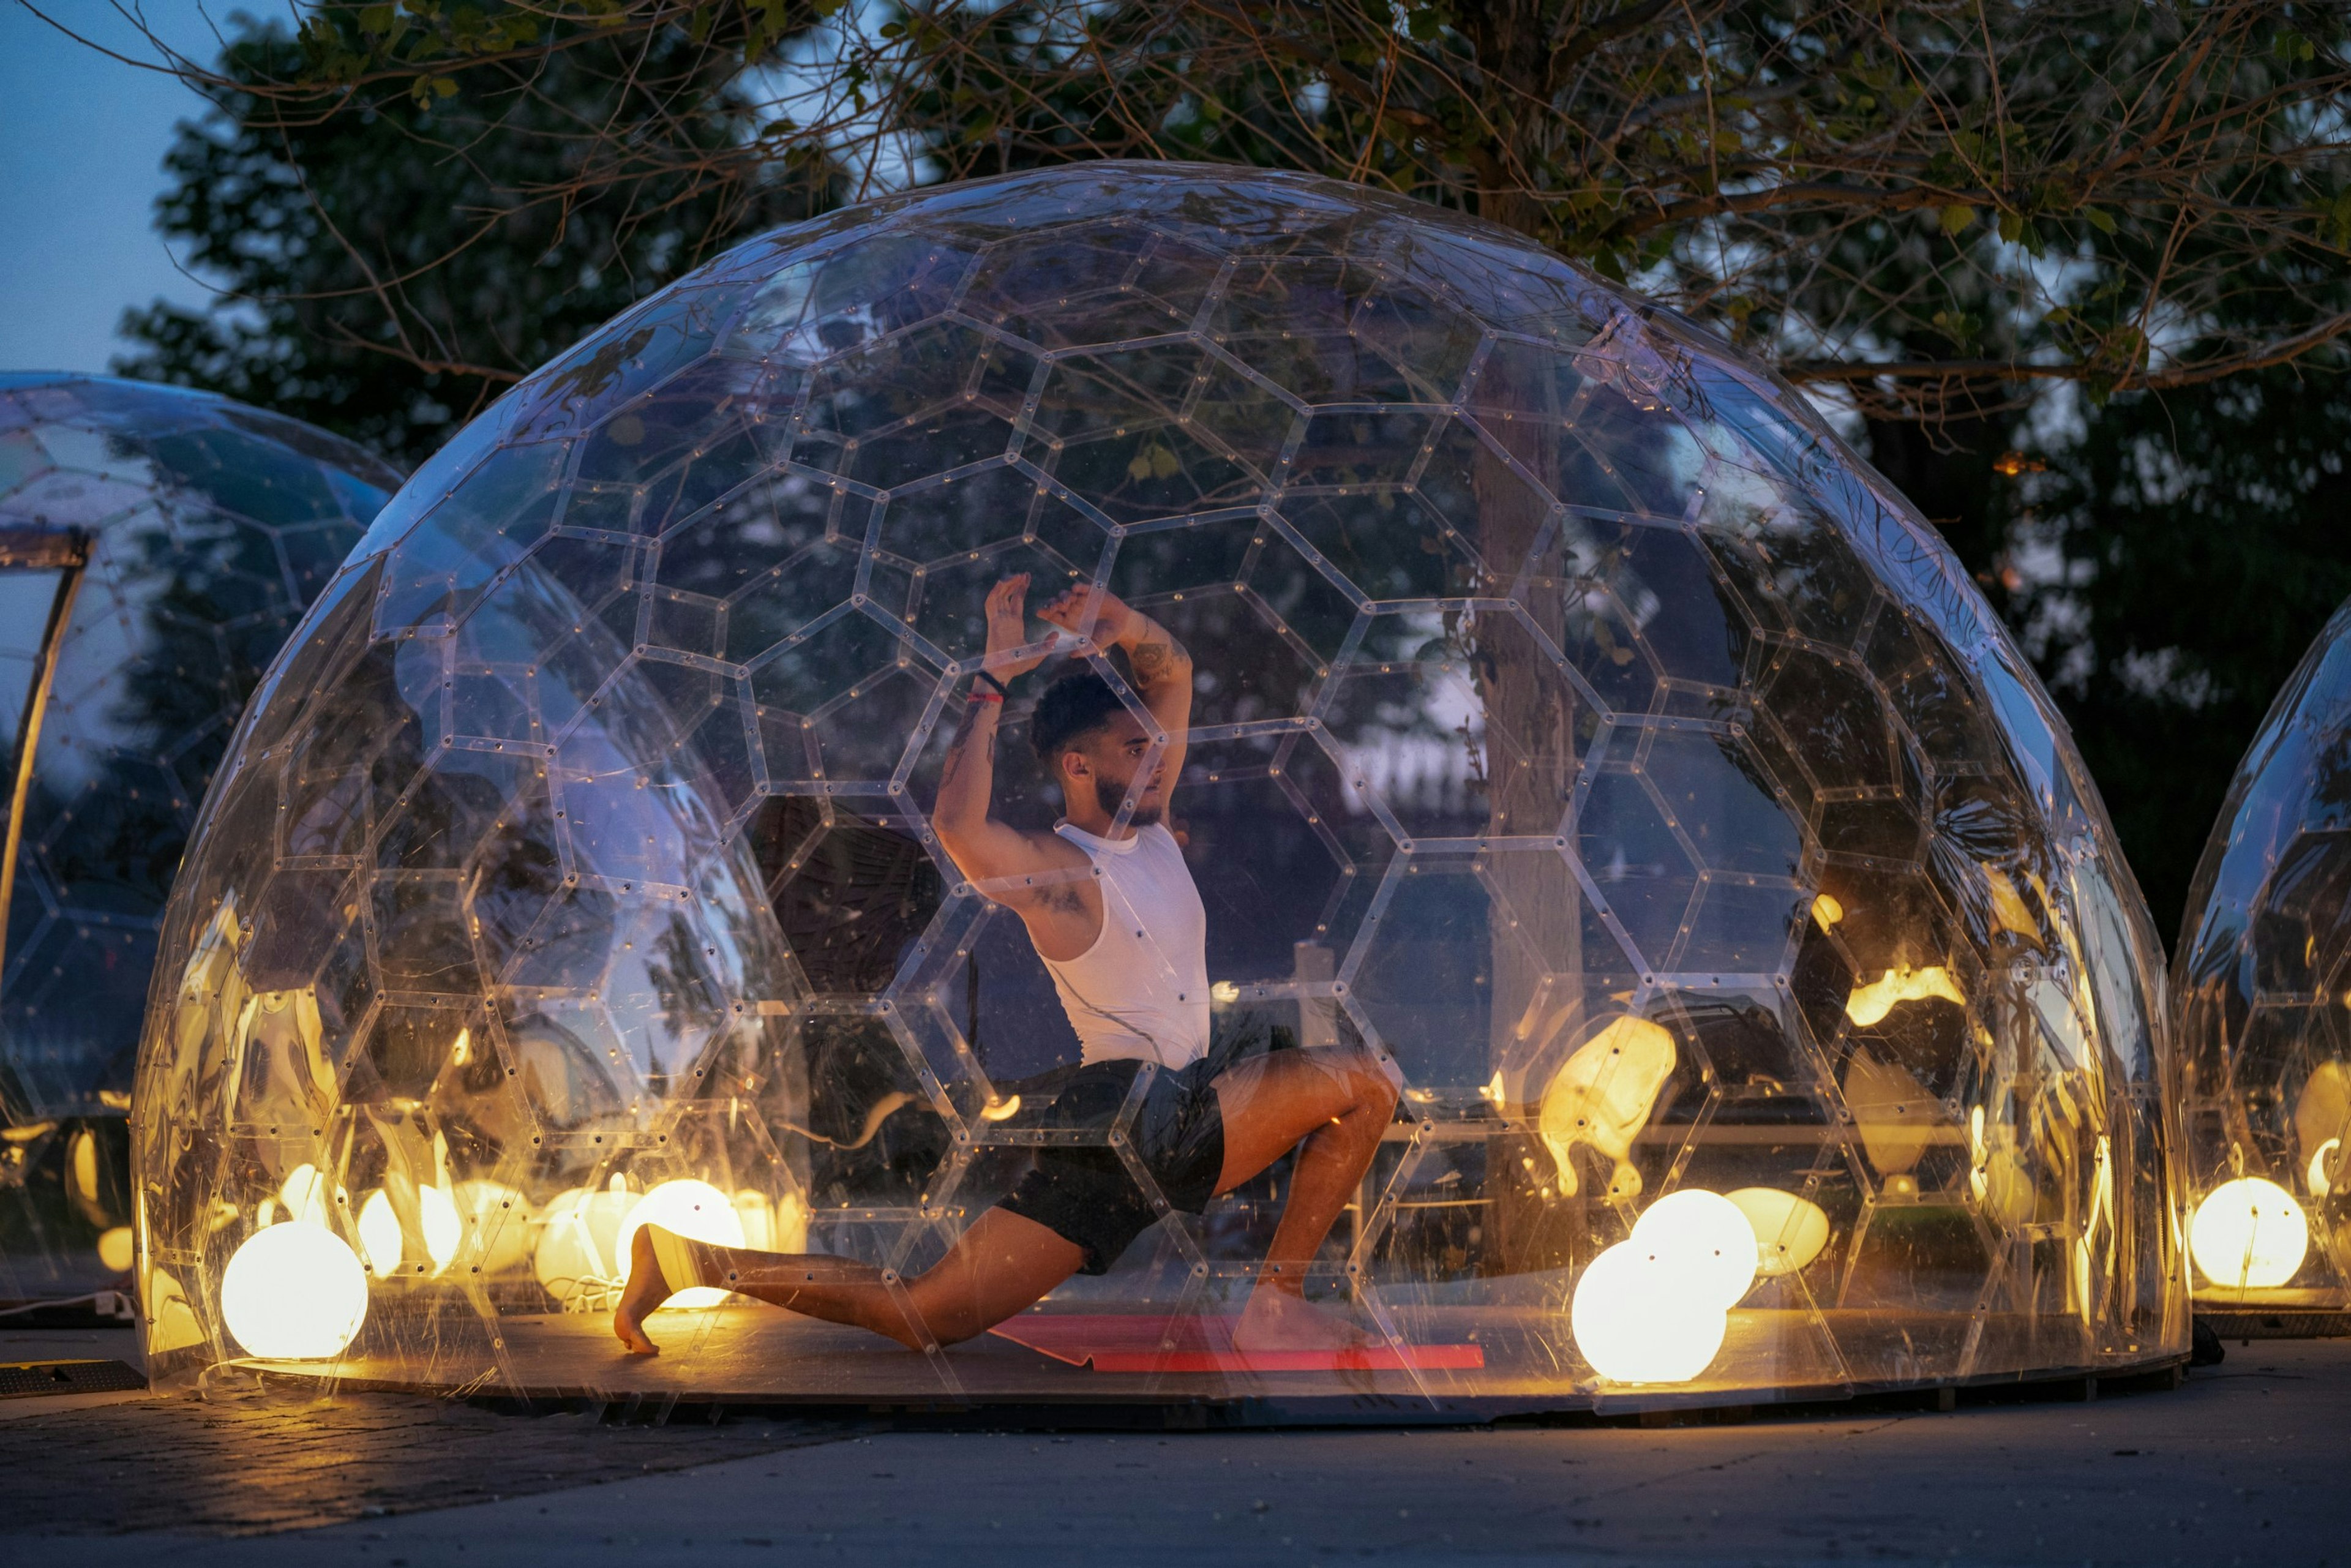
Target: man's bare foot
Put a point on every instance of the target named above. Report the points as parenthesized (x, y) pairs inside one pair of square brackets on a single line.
[(1276, 1320), (647, 1291)]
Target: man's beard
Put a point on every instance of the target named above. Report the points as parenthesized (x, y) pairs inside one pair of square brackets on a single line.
[(1109, 796)]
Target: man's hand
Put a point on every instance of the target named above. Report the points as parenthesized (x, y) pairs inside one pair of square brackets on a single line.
[(1095, 613), (1007, 627)]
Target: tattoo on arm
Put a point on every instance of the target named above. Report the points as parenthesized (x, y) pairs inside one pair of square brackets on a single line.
[(1154, 661), (959, 753)]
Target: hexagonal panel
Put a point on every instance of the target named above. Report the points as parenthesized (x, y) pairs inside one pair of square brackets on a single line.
[(190, 534)]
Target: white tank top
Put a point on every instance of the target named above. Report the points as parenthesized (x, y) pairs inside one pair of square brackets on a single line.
[(1141, 989)]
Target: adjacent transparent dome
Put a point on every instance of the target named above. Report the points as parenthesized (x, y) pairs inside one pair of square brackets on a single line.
[(156, 547), (1575, 718), (2262, 992)]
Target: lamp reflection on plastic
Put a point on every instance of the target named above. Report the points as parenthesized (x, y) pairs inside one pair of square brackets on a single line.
[(1655, 1308), (2321, 1118), (295, 1292), (1869, 1004), (1601, 1095), (115, 1250), (497, 1220), (575, 1256), (2321, 1183), (303, 1195), (2249, 1235), (384, 1242), (1996, 1173), (694, 1209), (1790, 1231)]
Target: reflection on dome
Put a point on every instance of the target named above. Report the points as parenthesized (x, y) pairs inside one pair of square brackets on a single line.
[(1574, 729), (2261, 991), (156, 548)]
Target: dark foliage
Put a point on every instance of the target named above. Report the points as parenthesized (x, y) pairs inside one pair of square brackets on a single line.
[(2208, 526), (390, 272)]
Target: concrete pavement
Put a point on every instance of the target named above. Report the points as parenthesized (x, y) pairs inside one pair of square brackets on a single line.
[(2242, 1465)]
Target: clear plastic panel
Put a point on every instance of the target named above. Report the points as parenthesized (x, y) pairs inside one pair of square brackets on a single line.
[(1643, 949), (2257, 994), (160, 545)]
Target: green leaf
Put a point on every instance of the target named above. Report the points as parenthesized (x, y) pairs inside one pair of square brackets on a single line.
[(2100, 219), (2334, 219), (1955, 216), (2011, 226)]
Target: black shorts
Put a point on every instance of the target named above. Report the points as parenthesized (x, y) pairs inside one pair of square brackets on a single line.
[(1085, 1194)]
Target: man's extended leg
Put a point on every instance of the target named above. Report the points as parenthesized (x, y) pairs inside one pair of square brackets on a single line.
[(1004, 1264), (1337, 1102)]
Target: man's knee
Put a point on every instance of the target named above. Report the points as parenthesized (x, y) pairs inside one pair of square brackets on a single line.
[(1378, 1083)]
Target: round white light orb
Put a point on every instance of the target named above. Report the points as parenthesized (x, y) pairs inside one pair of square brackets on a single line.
[(694, 1209), (1790, 1231), (2249, 1235), (1638, 1319), (1708, 1236), (295, 1292)]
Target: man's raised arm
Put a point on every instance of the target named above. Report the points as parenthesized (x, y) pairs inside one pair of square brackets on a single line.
[(981, 847)]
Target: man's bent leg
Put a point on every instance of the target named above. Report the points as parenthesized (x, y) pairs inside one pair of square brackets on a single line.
[(1332, 1106), (1001, 1266)]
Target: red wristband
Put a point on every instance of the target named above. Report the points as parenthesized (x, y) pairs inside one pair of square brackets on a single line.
[(987, 698)]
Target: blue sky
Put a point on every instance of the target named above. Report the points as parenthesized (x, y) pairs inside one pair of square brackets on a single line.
[(85, 138)]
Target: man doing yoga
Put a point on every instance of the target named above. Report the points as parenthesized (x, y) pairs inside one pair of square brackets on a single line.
[(1113, 911)]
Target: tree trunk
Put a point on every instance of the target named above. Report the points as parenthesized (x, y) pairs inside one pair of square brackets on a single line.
[(1537, 973)]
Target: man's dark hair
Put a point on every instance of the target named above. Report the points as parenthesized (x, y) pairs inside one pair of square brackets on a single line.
[(1072, 708)]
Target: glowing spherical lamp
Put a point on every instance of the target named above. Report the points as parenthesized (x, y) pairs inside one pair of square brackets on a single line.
[(1638, 1317), (1707, 1236), (2249, 1235), (694, 1209), (295, 1292)]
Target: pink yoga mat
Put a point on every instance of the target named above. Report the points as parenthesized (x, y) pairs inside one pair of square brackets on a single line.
[(1134, 1342)]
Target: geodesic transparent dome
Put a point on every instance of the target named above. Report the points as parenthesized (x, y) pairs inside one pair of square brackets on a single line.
[(1575, 718), (2262, 997), (156, 547)]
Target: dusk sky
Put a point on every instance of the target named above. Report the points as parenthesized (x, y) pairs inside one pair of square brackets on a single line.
[(86, 138)]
